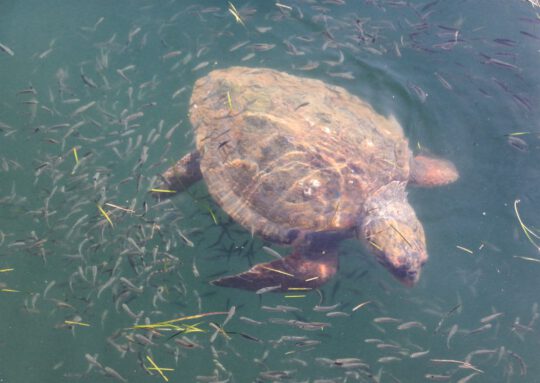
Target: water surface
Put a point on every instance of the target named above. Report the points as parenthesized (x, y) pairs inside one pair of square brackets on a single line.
[(461, 77)]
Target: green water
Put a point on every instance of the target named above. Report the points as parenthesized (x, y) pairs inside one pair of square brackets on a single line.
[(460, 76)]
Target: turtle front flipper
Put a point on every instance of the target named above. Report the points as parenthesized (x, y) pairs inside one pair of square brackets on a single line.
[(430, 171), (181, 175), (298, 270)]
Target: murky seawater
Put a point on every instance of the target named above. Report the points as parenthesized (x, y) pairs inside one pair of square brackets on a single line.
[(94, 101)]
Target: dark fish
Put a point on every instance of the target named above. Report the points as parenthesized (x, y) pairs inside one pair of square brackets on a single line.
[(518, 143), (422, 95), (276, 375), (6, 49), (529, 35), (507, 42), (88, 81), (522, 365), (481, 329), (522, 101), (443, 81), (452, 310)]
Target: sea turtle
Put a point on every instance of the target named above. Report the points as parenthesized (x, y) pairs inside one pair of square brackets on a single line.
[(306, 164)]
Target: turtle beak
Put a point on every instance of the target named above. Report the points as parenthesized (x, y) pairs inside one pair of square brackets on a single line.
[(407, 275)]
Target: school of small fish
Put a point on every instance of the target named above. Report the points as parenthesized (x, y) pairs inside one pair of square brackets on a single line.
[(132, 271)]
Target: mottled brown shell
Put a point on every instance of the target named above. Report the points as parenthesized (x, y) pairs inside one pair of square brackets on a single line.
[(283, 154)]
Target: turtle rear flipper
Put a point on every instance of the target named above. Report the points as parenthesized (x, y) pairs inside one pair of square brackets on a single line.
[(181, 175), (298, 270), (428, 171)]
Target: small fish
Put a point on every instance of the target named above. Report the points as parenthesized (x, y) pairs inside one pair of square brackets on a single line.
[(465, 379), (522, 101), (171, 54), (527, 258), (500, 63), (187, 343), (506, 42), (267, 289), (83, 108), (482, 351), (114, 374), (326, 308), (132, 117), (200, 66), (418, 354), (308, 326), (283, 6), (522, 365), (262, 47), (461, 363), (386, 320), (422, 95), (517, 143), (88, 81), (92, 361), (529, 35), (238, 46), (281, 308), (337, 314), (480, 329), (344, 75), (247, 57), (396, 49), (451, 333), (386, 346), (122, 74), (132, 34), (29, 90), (263, 29), (276, 376), (412, 324), (6, 49), (388, 359), (450, 312), (309, 66), (490, 318), (360, 305), (251, 321)]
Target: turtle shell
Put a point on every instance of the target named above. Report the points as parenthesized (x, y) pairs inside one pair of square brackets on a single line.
[(284, 155)]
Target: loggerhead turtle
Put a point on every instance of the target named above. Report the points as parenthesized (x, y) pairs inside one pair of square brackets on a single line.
[(306, 164)]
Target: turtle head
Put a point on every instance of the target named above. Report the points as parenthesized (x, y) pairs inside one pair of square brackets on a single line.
[(391, 231)]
